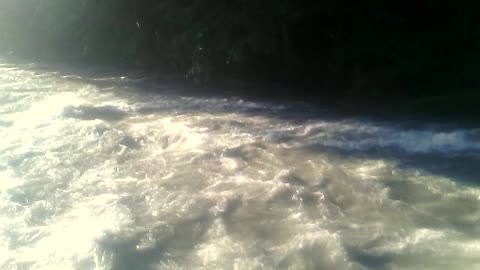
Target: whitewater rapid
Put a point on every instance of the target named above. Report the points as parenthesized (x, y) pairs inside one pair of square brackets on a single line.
[(115, 171)]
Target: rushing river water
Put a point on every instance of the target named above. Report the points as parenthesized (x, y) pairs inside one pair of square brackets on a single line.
[(99, 172)]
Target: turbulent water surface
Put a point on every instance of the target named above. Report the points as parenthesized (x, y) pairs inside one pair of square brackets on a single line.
[(113, 171)]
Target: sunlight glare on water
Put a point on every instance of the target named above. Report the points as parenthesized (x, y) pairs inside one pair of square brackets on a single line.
[(99, 172)]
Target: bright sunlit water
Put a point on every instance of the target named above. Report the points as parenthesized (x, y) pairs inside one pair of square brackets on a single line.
[(115, 171)]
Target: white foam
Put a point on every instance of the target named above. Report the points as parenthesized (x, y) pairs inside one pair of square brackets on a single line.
[(8, 180), (71, 240)]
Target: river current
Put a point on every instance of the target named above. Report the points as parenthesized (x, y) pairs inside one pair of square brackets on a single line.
[(106, 170)]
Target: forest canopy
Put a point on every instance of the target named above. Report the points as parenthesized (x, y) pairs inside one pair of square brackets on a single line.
[(356, 42)]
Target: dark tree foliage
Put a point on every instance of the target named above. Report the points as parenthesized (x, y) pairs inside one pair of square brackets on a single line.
[(355, 43)]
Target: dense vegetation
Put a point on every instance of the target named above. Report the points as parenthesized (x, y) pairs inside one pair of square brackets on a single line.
[(423, 43)]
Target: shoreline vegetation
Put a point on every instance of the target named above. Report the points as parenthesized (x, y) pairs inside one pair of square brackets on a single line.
[(418, 58)]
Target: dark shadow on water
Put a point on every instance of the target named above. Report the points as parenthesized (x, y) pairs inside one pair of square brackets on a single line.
[(107, 113), (462, 167), (371, 261), (127, 82), (126, 256), (5, 124), (185, 236)]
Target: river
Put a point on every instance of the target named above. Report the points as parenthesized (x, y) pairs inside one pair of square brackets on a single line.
[(111, 170)]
